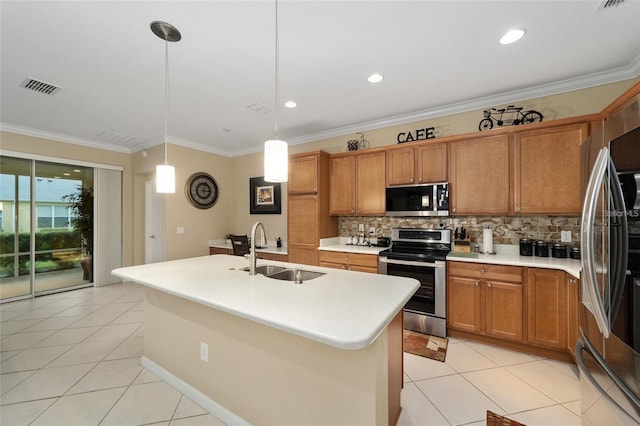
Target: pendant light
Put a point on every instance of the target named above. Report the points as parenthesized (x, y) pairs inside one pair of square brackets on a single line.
[(276, 151), (165, 174)]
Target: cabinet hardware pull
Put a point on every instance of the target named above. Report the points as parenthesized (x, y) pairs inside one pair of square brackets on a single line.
[(482, 271), (454, 210), (477, 283), (489, 284), (517, 209)]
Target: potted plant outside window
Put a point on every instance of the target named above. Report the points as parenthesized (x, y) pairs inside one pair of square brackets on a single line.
[(81, 207)]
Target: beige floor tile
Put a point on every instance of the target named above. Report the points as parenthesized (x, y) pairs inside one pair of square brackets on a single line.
[(53, 323), (32, 359), (116, 307), (109, 374), (14, 326), (41, 313), (462, 358), (573, 406), (130, 348), (87, 352), (10, 380), (557, 383), (555, 415), (203, 420), (188, 408), (130, 317), (457, 399), (141, 404), (111, 332), (85, 409), (7, 354), (420, 368), (145, 376), (508, 391), (417, 409), (46, 383), (23, 413), (501, 356), (20, 341), (67, 336), (95, 319)]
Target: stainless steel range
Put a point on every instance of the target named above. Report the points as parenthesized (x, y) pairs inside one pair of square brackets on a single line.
[(421, 254)]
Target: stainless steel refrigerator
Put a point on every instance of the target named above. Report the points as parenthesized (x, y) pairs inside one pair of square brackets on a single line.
[(608, 351)]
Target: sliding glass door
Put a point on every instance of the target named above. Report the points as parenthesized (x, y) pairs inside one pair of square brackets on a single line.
[(46, 242)]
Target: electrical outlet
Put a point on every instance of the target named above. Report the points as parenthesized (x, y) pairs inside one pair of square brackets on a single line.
[(565, 236), (361, 227), (372, 230), (180, 230), (204, 352)]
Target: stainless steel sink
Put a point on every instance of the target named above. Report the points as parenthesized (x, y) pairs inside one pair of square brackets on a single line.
[(292, 275), (285, 274), (267, 269)]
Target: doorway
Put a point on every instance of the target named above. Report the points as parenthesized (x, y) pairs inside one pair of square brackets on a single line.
[(153, 224), (46, 227)]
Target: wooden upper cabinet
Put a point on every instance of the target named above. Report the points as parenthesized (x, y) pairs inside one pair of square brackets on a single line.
[(357, 184), (480, 175), (547, 169), (400, 166), (431, 163), (342, 184), (370, 193), (303, 174), (416, 165)]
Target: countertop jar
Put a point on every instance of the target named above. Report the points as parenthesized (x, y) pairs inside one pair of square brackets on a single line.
[(526, 247), (542, 249)]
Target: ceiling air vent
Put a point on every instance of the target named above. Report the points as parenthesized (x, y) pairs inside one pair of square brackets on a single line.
[(260, 109), (608, 4), (40, 86), (115, 137)]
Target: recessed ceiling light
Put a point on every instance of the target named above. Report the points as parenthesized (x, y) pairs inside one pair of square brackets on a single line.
[(375, 78), (512, 36), (290, 104)]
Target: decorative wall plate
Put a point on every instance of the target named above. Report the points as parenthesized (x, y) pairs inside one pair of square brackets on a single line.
[(201, 190)]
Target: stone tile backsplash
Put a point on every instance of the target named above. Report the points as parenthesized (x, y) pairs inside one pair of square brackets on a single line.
[(506, 230)]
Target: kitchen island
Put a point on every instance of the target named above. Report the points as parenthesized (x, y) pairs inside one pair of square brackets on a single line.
[(253, 349)]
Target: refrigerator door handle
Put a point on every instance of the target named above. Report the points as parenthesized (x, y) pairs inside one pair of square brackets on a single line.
[(619, 234), (584, 344), (587, 224)]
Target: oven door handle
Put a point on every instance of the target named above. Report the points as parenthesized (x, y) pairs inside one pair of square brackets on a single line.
[(437, 264)]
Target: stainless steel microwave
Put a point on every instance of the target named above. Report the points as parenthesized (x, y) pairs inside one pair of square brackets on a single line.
[(418, 200)]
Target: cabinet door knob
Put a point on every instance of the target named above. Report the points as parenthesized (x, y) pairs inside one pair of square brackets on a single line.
[(411, 180), (454, 210), (477, 283), (420, 180), (489, 284), (573, 281), (517, 209), (482, 271)]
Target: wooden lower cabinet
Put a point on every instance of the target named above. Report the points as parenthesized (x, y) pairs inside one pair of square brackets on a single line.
[(220, 250), (573, 316), (485, 299), (547, 308), (349, 261), (273, 256)]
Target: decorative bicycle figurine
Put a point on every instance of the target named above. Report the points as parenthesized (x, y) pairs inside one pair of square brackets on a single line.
[(510, 115)]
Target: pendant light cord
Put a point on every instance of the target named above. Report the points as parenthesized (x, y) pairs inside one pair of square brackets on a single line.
[(166, 95), (276, 74)]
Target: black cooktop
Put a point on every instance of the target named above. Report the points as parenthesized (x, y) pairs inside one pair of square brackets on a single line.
[(417, 252)]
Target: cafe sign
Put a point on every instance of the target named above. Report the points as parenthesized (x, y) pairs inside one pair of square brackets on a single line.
[(416, 135)]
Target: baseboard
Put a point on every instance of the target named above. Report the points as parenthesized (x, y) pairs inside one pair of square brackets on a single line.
[(214, 408)]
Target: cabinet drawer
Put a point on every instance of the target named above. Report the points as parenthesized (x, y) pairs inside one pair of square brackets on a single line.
[(220, 250), (367, 260), (485, 271), (272, 256)]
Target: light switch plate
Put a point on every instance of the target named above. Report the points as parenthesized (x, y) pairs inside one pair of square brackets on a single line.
[(180, 229), (361, 227), (565, 236)]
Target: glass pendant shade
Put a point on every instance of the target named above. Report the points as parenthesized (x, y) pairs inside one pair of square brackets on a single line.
[(165, 179), (276, 161)]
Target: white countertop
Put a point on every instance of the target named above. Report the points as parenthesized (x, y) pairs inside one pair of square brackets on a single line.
[(270, 247), (322, 309), (339, 244), (570, 266)]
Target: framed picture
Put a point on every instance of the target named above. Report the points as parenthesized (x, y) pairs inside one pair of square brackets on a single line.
[(264, 197)]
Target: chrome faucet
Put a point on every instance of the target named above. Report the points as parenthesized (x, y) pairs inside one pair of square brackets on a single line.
[(252, 252)]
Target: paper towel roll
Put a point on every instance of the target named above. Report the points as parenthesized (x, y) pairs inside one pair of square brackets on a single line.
[(487, 240)]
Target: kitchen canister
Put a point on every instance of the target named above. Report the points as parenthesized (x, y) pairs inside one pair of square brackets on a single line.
[(526, 247), (559, 251), (542, 249), (574, 253)]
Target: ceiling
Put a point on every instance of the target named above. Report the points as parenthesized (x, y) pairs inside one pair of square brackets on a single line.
[(437, 58)]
